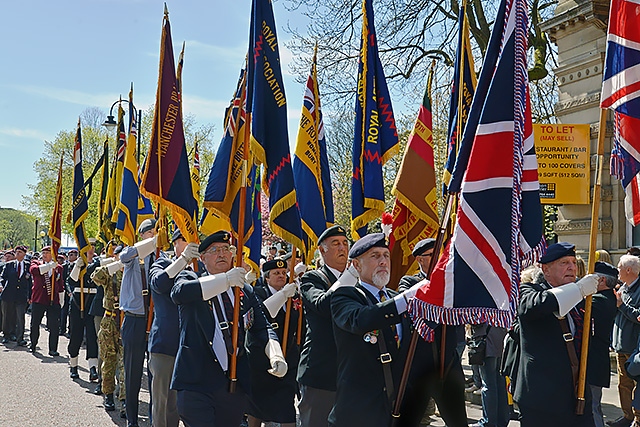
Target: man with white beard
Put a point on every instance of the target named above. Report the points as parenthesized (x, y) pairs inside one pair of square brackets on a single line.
[(372, 336)]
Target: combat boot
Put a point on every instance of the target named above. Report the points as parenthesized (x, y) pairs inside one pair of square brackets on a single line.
[(73, 372), (98, 389), (109, 404), (93, 374)]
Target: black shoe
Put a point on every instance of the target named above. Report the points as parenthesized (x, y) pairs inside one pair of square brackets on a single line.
[(93, 374), (620, 422), (61, 333), (22, 343), (5, 340), (109, 404), (73, 372), (98, 390), (13, 338), (123, 410), (32, 349), (53, 353)]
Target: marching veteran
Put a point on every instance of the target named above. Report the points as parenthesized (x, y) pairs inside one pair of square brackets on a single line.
[(205, 304)]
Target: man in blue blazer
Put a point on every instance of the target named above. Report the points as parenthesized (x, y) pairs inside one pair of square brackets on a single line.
[(165, 330), (16, 284), (205, 304)]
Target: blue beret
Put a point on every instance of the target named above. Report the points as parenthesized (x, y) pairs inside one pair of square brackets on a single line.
[(375, 240), (217, 237), (146, 225), (336, 230), (606, 269), (118, 249), (557, 251), (423, 246), (177, 234), (273, 264)]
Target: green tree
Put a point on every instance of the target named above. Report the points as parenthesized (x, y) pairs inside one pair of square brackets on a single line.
[(17, 228)]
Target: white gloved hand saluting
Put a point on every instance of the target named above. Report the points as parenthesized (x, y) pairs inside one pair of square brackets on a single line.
[(349, 278), (45, 268), (274, 303), (276, 359)]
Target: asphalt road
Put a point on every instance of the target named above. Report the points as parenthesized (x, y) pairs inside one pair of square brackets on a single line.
[(35, 390)]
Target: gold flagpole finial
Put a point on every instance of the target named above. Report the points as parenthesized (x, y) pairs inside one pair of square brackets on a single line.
[(166, 11)]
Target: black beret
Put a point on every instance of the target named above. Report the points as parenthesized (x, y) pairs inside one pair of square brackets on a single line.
[(336, 230), (606, 269), (177, 234), (217, 237), (374, 240), (423, 246), (118, 249), (557, 251), (146, 225), (273, 264)]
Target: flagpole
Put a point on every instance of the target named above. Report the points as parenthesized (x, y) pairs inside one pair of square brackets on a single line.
[(287, 315), (593, 238), (414, 334), (241, 214)]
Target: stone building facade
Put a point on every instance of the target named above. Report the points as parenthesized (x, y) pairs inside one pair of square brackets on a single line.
[(578, 28)]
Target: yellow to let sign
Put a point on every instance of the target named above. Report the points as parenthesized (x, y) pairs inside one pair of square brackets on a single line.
[(562, 151)]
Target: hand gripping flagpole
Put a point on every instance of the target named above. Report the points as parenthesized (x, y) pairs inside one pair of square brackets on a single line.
[(593, 238), (233, 365), (414, 334)]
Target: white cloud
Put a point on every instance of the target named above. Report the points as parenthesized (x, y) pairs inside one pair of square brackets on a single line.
[(228, 54), (24, 133), (69, 95)]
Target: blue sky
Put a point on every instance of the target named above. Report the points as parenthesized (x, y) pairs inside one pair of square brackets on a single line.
[(61, 57)]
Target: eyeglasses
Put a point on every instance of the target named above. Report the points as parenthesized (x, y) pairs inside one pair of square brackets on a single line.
[(218, 250)]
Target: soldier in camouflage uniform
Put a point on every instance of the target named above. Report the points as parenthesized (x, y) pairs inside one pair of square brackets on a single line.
[(109, 341)]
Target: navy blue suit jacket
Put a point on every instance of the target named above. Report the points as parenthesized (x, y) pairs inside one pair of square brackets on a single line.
[(16, 289), (197, 368), (165, 329)]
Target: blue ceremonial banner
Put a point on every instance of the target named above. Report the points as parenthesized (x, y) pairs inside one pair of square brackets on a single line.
[(463, 88), (222, 195), (376, 137), (499, 225), (80, 207), (267, 106), (311, 167)]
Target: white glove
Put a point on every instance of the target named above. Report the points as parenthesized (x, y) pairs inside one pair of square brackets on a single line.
[(113, 267), (105, 261), (572, 293), (278, 364), (250, 277), (274, 303), (45, 268), (61, 297), (402, 300), (190, 252), (176, 266), (588, 285), (75, 271), (146, 246), (236, 276), (349, 278), (218, 283), (299, 269)]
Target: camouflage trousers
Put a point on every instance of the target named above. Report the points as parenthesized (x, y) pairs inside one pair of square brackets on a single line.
[(112, 356)]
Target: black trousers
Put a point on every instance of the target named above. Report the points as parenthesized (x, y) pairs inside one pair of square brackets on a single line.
[(53, 315), (134, 343), (82, 326), (13, 319), (536, 417), (218, 409), (424, 383), (64, 314)]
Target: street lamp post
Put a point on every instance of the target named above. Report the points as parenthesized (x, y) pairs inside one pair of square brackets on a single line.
[(111, 124)]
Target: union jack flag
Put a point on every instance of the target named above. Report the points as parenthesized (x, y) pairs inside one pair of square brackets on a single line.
[(499, 226), (621, 92)]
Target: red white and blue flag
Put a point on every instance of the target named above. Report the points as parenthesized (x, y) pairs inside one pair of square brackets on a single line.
[(499, 228), (621, 92)]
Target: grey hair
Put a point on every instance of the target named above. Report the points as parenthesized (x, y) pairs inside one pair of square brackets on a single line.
[(631, 261)]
